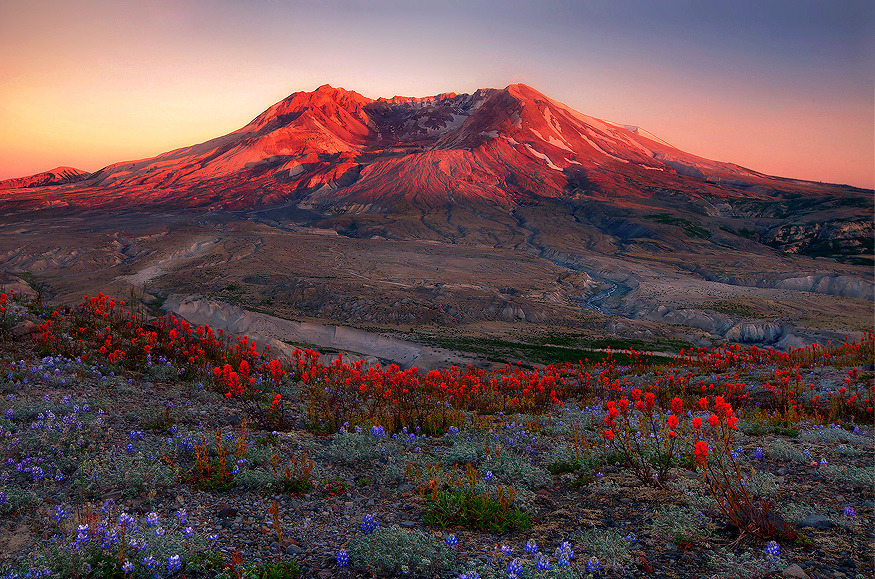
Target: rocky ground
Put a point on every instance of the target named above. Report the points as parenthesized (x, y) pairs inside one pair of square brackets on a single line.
[(812, 476)]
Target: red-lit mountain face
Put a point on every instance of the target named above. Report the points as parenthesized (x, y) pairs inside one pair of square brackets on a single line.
[(360, 163), (57, 176)]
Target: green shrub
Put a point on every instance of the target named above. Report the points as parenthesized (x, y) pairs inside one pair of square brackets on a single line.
[(395, 552)]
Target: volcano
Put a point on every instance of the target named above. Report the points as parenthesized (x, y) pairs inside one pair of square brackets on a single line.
[(456, 210), (461, 168), (336, 149)]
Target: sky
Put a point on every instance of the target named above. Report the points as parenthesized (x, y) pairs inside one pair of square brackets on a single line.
[(785, 87)]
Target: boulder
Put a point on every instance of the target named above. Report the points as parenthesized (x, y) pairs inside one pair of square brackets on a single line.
[(24, 328)]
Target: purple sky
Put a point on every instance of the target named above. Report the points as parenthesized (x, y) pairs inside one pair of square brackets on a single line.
[(783, 87)]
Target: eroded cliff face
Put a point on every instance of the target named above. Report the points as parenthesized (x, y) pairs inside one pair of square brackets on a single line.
[(833, 238)]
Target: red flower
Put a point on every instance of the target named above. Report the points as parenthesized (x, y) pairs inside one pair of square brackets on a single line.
[(713, 420), (697, 423), (672, 421), (703, 403), (677, 405), (635, 394), (649, 398), (701, 452), (608, 434), (733, 422)]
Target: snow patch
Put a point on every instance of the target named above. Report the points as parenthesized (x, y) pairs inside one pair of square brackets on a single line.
[(544, 157), (548, 116), (600, 150), (561, 144)]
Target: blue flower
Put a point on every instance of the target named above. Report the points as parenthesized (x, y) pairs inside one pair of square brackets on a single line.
[(543, 564), (125, 520), (369, 524), (174, 563), (342, 558), (531, 547), (593, 564), (850, 512), (61, 513), (150, 562), (773, 550), (514, 568), (565, 551), (452, 541)]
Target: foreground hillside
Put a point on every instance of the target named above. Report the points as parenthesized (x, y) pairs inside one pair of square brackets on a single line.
[(150, 448)]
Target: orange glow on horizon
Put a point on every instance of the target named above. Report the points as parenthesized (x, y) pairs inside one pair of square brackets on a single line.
[(95, 82)]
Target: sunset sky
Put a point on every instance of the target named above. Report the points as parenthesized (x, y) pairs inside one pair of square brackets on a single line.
[(784, 87)]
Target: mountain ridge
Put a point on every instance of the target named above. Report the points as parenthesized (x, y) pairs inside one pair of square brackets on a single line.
[(333, 148)]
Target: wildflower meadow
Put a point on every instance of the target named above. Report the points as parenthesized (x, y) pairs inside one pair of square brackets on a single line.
[(141, 446)]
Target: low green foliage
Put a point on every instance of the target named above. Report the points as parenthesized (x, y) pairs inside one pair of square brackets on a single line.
[(683, 526), (562, 467), (396, 552), (612, 548), (451, 507), (746, 565)]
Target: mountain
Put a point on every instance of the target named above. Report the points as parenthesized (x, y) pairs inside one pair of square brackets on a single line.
[(336, 148), (393, 167), (499, 211), (57, 176)]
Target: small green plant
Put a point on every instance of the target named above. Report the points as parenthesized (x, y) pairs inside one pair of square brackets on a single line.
[(212, 474), (804, 541), (562, 467), (275, 570), (334, 487), (163, 422), (296, 478), (461, 503), (208, 562)]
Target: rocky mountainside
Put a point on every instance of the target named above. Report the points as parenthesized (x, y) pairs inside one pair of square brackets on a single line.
[(332, 153), (511, 206), (57, 176)]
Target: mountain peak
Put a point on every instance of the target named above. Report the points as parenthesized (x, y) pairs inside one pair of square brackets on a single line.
[(333, 149), (521, 90)]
